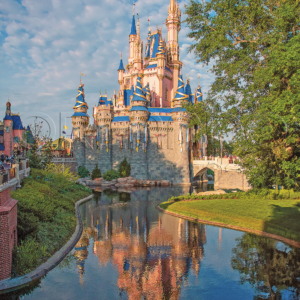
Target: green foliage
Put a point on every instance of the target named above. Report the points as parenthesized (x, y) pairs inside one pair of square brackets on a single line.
[(27, 255), (47, 154), (45, 216), (124, 168), (96, 173), (255, 96), (109, 175), (83, 172), (35, 160)]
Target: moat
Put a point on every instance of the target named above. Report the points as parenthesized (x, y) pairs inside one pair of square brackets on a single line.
[(129, 250)]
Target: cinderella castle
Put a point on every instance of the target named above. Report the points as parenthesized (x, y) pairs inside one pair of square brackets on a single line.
[(144, 121)]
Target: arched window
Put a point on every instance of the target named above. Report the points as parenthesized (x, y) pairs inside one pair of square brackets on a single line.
[(166, 94)]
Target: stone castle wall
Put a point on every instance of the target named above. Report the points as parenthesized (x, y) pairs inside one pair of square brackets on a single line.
[(157, 163)]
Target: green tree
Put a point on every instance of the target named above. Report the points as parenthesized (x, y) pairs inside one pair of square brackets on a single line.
[(253, 46), (124, 168), (96, 173), (47, 154), (83, 172)]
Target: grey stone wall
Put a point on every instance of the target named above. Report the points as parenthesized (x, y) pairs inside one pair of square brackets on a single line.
[(157, 163)]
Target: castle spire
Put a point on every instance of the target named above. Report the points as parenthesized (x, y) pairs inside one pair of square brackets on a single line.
[(121, 67), (133, 28)]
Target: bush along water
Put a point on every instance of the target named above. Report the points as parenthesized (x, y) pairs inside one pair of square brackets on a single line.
[(109, 175), (251, 194), (46, 216)]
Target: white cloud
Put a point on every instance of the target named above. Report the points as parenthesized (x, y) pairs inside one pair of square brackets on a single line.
[(46, 44)]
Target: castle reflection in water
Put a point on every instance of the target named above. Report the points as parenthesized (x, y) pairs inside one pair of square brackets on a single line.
[(152, 252)]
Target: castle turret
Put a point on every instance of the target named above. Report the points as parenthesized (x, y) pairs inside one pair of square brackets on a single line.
[(121, 72), (80, 118), (138, 55)]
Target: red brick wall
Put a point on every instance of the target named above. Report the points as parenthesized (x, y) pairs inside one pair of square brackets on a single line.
[(8, 232), (4, 196)]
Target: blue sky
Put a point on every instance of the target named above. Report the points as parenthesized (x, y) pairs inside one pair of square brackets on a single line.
[(45, 44)]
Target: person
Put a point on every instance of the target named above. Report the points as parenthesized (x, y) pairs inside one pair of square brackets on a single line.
[(2, 157), (1, 166)]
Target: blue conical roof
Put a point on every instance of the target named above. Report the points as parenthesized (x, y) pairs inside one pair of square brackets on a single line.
[(121, 67), (133, 28), (180, 94), (80, 101), (199, 94), (7, 117), (139, 95), (104, 101), (148, 45)]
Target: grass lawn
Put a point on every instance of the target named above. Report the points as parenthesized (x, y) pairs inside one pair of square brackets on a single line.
[(281, 217)]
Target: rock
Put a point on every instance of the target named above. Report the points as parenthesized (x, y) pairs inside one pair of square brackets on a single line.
[(122, 180), (99, 179), (158, 183), (83, 184), (217, 192), (165, 183)]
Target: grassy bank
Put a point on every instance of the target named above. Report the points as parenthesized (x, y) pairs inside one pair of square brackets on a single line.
[(279, 217), (46, 217)]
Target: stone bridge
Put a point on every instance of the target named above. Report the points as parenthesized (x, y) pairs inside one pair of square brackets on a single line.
[(227, 174)]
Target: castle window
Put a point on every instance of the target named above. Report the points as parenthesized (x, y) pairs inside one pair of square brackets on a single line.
[(166, 94)]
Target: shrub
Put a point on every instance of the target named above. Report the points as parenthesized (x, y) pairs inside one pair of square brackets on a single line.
[(96, 173), (110, 175), (284, 194), (60, 169), (83, 172), (124, 168)]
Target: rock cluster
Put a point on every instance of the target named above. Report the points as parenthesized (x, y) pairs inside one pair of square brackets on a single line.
[(126, 182)]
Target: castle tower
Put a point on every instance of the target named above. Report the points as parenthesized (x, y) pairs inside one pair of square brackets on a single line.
[(173, 26), (104, 117), (80, 118), (132, 39), (138, 116), (199, 96), (121, 72), (138, 55), (182, 134), (8, 131), (160, 68)]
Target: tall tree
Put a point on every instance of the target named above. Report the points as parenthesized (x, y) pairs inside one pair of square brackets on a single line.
[(254, 48)]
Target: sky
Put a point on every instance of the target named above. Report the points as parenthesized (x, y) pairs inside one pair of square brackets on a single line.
[(46, 44)]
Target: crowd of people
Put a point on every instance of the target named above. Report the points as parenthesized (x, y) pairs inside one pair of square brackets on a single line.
[(6, 161)]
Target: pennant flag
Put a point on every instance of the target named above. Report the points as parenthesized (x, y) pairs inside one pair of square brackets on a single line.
[(65, 127), (98, 139), (64, 132), (146, 138), (131, 137), (82, 74)]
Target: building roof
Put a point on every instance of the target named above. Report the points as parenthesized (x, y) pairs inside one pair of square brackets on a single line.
[(160, 110), (152, 66), (155, 42), (179, 109), (180, 93), (104, 101), (199, 94), (139, 95), (160, 119), (121, 67), (80, 114), (148, 45), (80, 98), (133, 27), (121, 119), (17, 123), (7, 117), (138, 108)]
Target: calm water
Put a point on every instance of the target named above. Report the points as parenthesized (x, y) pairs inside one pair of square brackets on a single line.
[(129, 250)]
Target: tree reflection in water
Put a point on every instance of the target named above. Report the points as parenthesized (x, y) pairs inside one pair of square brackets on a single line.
[(273, 273), (152, 258)]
